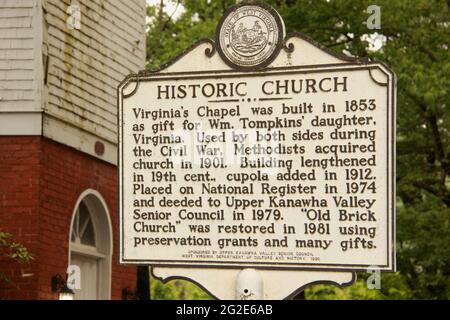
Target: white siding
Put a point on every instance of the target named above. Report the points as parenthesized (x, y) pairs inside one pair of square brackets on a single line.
[(77, 104), (86, 65), (18, 83)]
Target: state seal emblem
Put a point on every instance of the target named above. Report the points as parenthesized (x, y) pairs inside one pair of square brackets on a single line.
[(249, 36)]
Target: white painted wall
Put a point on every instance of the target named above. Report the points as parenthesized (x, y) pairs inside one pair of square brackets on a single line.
[(78, 102), (20, 104), (17, 60)]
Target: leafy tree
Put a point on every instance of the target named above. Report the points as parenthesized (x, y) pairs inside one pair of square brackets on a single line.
[(416, 47), (167, 37), (12, 251), (176, 290)]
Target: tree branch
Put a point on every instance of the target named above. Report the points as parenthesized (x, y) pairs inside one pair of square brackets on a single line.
[(441, 194), (335, 44), (439, 148)]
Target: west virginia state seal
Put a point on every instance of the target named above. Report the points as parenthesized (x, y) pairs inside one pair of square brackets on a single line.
[(249, 36)]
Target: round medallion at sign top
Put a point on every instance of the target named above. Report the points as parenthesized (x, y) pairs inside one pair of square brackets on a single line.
[(249, 36)]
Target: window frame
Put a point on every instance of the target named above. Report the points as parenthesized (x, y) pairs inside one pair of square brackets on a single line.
[(102, 252)]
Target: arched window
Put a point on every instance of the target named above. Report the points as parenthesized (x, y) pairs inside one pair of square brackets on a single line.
[(83, 232), (91, 247)]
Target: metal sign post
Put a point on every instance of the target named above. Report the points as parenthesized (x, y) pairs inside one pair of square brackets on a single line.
[(249, 285)]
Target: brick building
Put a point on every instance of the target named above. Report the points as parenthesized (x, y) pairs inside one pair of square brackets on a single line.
[(60, 64)]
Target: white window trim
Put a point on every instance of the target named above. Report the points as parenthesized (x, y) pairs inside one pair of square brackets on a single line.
[(105, 267), (89, 251)]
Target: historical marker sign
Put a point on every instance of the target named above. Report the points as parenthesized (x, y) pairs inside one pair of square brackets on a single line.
[(252, 158)]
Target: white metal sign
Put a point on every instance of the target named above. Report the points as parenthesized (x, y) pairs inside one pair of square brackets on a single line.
[(258, 151)]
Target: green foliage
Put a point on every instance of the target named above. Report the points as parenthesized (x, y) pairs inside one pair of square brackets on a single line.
[(167, 38), (12, 251), (176, 290), (392, 287), (417, 48)]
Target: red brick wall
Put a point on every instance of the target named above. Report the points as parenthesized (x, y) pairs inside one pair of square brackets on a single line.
[(40, 182), (20, 169)]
